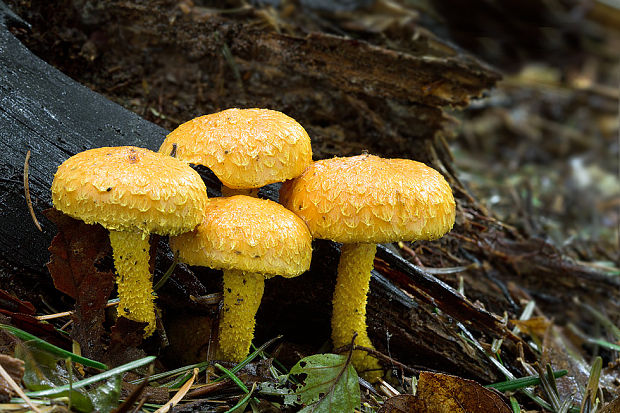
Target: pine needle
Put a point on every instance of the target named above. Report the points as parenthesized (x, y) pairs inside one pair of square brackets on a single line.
[(179, 395), (27, 193)]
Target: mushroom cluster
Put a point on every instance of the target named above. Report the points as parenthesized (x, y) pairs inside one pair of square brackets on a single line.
[(357, 201)]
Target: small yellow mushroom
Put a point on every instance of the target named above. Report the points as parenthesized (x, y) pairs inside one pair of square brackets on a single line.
[(132, 192), (245, 148), (250, 239), (362, 201)]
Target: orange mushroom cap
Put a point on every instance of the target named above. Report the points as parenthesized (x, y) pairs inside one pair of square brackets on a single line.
[(131, 192), (371, 200), (128, 188), (245, 148), (247, 234)]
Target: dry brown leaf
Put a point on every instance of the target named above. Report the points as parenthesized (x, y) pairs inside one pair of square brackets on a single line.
[(13, 304), (535, 326), (613, 406), (15, 368), (80, 267), (403, 403), (125, 337), (442, 393)]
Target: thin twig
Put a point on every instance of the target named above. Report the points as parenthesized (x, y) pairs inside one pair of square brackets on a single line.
[(66, 313), (27, 193), (209, 389), (379, 355)]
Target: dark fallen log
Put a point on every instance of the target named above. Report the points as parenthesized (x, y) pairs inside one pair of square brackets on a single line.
[(47, 113), (350, 94)]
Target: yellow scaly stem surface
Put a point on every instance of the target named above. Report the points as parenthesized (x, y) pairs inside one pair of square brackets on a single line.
[(243, 292), (135, 287), (349, 306)]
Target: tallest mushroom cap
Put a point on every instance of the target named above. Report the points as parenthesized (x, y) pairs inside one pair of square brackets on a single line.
[(370, 199), (129, 188), (245, 148)]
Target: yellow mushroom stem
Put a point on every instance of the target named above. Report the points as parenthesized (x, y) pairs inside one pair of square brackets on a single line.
[(349, 306), (243, 292), (228, 192), (135, 287)]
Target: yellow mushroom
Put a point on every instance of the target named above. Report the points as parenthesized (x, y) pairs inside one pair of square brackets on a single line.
[(132, 192), (362, 201), (245, 148), (250, 239)]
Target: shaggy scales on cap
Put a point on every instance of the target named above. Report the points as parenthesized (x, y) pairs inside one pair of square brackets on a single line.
[(361, 201), (245, 148), (250, 239), (131, 192)]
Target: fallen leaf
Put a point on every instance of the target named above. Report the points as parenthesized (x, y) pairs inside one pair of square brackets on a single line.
[(44, 370), (81, 267), (403, 403), (125, 336), (37, 328), (330, 384), (13, 304), (15, 368), (442, 393)]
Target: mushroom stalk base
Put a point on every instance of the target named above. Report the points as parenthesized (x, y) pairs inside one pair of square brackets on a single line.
[(243, 292), (135, 287), (349, 306)]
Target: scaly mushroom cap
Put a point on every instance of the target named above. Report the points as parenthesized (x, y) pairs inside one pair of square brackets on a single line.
[(245, 148), (371, 200), (247, 234), (128, 189)]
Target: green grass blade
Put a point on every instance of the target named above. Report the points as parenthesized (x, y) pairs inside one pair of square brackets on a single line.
[(235, 379), (516, 384), (253, 355), (52, 348), (94, 379), (168, 273), (180, 370), (589, 398), (232, 376), (244, 400)]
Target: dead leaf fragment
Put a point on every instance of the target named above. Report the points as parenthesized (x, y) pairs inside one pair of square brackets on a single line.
[(613, 406), (442, 393), (403, 403), (125, 337), (13, 304), (535, 326), (79, 268), (15, 368)]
